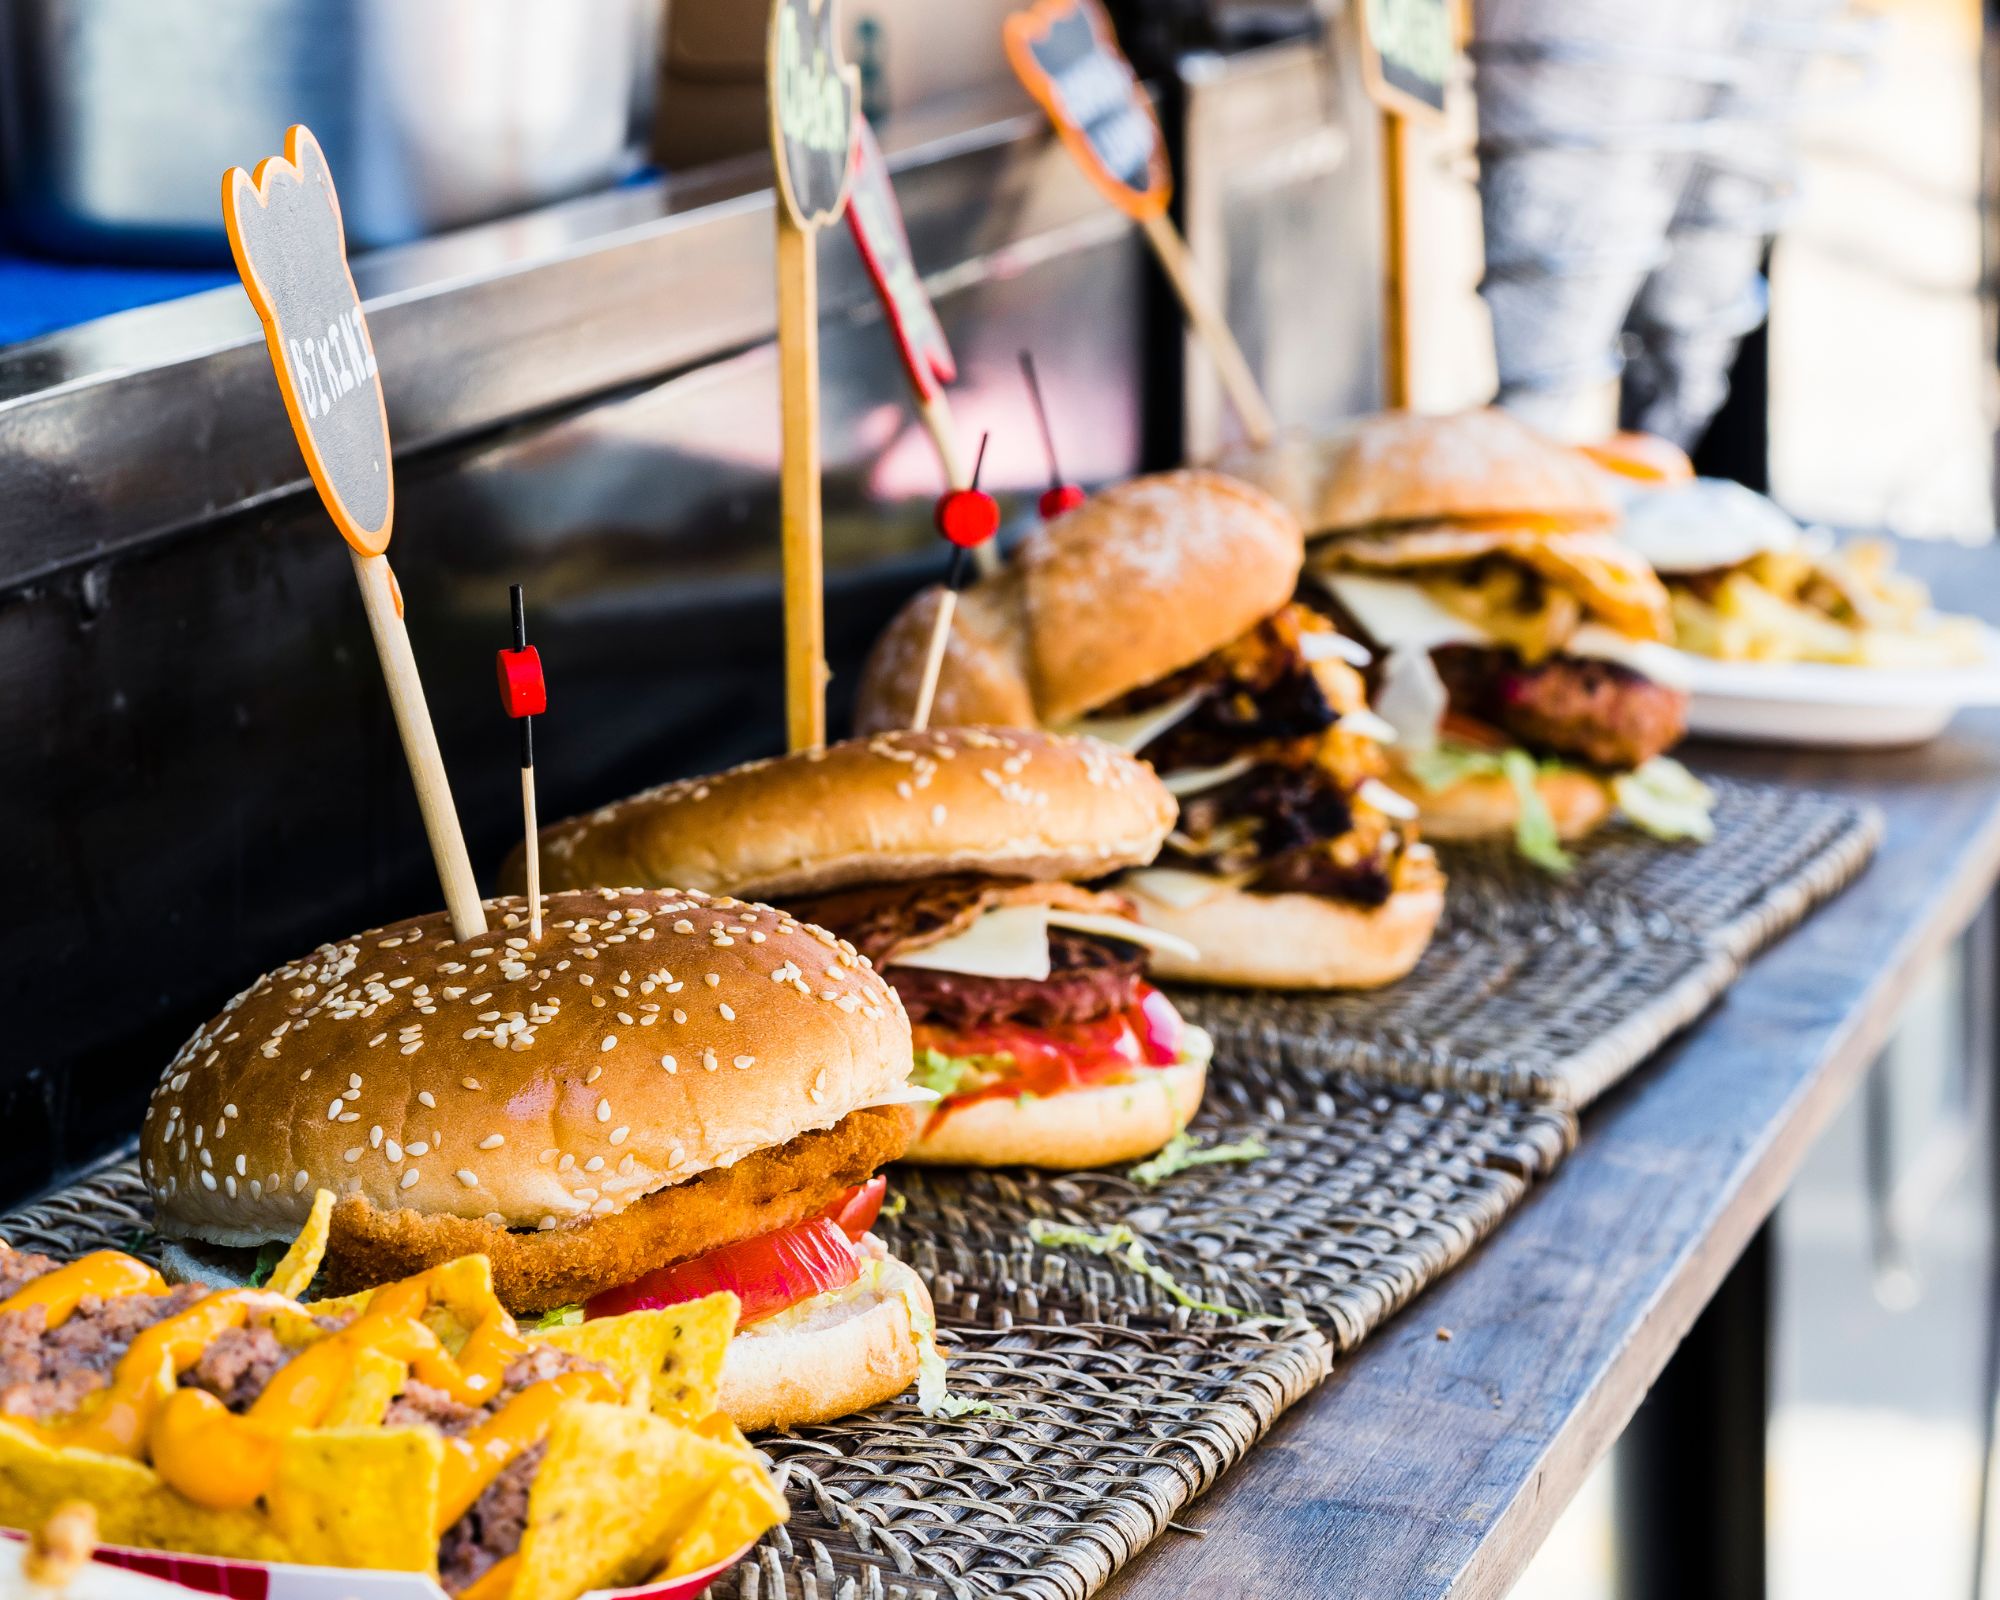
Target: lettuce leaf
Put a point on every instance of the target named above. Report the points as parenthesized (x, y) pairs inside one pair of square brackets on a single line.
[(559, 1317), (1535, 835), (946, 1075), (1120, 1243), (1666, 800), (1181, 1152), (1448, 762)]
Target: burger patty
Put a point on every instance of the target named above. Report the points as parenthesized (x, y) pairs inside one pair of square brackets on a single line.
[(1088, 978), (1590, 710), (535, 1270), (47, 1372)]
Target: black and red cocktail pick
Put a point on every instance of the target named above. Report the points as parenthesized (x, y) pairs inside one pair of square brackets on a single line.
[(524, 695)]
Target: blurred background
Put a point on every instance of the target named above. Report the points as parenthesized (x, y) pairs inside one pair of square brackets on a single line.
[(1763, 227)]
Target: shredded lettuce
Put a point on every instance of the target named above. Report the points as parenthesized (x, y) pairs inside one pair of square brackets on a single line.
[(1666, 800), (1181, 1152), (946, 1075), (269, 1255), (1535, 836), (1535, 833), (560, 1317), (934, 1396), (896, 1204), (1121, 1244)]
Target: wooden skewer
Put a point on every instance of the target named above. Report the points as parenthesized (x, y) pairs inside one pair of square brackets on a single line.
[(936, 412), (1397, 348), (420, 746), (934, 657), (805, 618), (1212, 328)]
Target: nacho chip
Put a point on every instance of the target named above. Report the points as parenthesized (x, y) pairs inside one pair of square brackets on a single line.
[(375, 1379), (359, 1497), (299, 1265), (461, 1298), (618, 1496)]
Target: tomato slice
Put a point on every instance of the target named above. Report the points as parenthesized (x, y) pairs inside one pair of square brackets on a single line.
[(766, 1274), (857, 1209), (1161, 1030), (1045, 1061)]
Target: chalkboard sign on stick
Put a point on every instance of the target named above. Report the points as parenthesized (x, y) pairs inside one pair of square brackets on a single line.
[(1067, 57), (877, 223), (814, 97), (1406, 55), (285, 232)]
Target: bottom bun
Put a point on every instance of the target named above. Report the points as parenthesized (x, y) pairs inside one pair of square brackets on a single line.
[(1485, 807), (1094, 1127), (831, 1356), (1296, 941)]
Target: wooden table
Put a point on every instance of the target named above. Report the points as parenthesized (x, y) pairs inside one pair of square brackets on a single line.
[(1431, 1467)]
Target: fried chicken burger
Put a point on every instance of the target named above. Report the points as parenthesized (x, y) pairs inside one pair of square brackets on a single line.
[(667, 1095), (952, 861), (1159, 617), (1520, 649)]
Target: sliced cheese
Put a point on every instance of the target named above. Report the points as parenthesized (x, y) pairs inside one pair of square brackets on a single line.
[(1412, 698), (1195, 780), (1171, 886), (1399, 615), (1386, 800), (1006, 942), (1334, 647), (1135, 732), (904, 1094), (1123, 928), (1013, 942), (1643, 656)]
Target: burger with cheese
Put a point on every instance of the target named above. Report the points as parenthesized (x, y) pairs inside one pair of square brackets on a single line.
[(1520, 650), (665, 1095), (950, 860), (1159, 617)]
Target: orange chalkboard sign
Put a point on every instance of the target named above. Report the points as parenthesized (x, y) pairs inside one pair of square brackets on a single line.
[(877, 223), (286, 234), (1065, 53)]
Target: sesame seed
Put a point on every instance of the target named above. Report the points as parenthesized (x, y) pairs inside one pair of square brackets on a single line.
[(546, 1157), (712, 979), (352, 1153), (744, 1063), (546, 1223), (684, 926), (207, 1179), (604, 1111), (394, 1151), (418, 1148), (618, 1134), (493, 1141), (426, 1098), (412, 1047), (568, 1161), (229, 1111), (242, 1168), (728, 1015), (333, 1111), (299, 1180), (409, 1178), (594, 1164), (680, 1015), (469, 1179), (468, 1083), (609, 1042), (669, 1063), (708, 1060)]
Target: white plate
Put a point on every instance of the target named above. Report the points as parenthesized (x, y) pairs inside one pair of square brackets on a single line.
[(1810, 703)]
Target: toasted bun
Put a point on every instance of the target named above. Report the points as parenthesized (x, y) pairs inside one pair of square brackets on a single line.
[(829, 1358), (1483, 807), (1008, 802), (1078, 1128), (1403, 466), (1296, 941), (1138, 582), (370, 1067)]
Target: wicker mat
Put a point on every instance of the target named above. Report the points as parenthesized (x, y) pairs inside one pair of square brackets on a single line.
[(1552, 989), (1115, 1403)]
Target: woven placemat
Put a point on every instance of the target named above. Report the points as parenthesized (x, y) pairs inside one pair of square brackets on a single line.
[(1551, 989)]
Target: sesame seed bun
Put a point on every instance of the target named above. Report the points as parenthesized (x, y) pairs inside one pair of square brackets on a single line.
[(1137, 582), (1485, 807), (1403, 466), (1298, 941), (895, 807), (828, 1357), (648, 1043), (1090, 1127)]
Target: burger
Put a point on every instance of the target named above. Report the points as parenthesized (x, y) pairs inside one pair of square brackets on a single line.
[(665, 1095), (1160, 617), (1519, 649), (954, 861)]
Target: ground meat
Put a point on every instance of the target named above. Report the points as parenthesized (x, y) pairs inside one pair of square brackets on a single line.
[(1585, 709), (1088, 978), (46, 1372), (491, 1530), (18, 1268), (236, 1366), (1313, 871), (882, 920), (421, 1406)]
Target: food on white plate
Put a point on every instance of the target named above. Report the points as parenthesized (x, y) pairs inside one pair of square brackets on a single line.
[(950, 859), (1521, 650), (668, 1095), (1159, 617), (1748, 584)]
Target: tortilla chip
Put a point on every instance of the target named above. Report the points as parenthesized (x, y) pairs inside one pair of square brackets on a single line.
[(133, 1506), (461, 1297), (688, 1386), (736, 1511), (359, 1497), (622, 1492), (298, 1266), (375, 1379)]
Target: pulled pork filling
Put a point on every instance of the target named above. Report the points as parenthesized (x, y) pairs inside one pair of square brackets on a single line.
[(47, 1373), (1294, 820)]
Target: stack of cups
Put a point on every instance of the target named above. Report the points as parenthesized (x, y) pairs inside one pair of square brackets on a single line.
[(1591, 115)]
